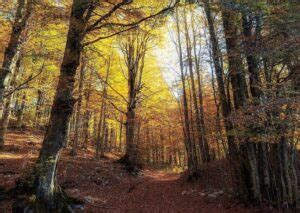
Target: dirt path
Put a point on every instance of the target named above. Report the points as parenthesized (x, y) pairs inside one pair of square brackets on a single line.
[(158, 191)]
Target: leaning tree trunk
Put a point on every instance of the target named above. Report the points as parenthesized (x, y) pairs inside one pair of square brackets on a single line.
[(225, 105), (6, 111), (47, 192), (23, 13)]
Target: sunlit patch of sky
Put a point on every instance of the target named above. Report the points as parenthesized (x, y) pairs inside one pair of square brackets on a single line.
[(168, 59)]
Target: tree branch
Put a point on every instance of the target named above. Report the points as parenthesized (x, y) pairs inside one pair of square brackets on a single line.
[(30, 78), (129, 26)]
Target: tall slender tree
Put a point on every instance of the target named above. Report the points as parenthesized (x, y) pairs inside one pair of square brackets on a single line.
[(17, 37)]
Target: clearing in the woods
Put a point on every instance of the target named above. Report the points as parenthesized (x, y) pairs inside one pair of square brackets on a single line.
[(104, 185)]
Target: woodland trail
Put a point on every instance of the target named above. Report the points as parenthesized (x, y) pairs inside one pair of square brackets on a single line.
[(104, 186)]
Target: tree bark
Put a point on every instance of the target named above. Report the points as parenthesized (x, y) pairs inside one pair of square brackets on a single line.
[(20, 113), (225, 106), (45, 188), (120, 133), (23, 13), (79, 104), (6, 111), (134, 50), (200, 134), (38, 108), (101, 127), (192, 161)]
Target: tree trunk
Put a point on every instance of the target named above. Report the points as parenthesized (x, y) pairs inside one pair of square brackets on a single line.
[(20, 113), (101, 128), (134, 51), (23, 13), (102, 119), (38, 108), (6, 111), (79, 103), (225, 106), (86, 132), (87, 115), (46, 190), (192, 161), (200, 134), (120, 133)]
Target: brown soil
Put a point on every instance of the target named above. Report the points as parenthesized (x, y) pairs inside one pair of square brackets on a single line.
[(104, 186)]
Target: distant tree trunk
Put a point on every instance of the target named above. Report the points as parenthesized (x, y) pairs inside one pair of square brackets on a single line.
[(79, 103), (87, 115), (218, 121), (200, 134), (108, 140), (105, 138), (102, 118), (192, 160), (86, 132), (20, 113), (95, 125), (38, 108), (112, 139), (220, 79), (98, 138), (120, 133), (148, 145), (23, 13), (134, 50), (204, 142), (46, 189)]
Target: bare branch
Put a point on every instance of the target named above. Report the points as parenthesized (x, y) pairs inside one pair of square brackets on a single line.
[(29, 79), (107, 15), (106, 83), (129, 26)]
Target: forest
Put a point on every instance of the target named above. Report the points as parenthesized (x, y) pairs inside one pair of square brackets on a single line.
[(149, 106)]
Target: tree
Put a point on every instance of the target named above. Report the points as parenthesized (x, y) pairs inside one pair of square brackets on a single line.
[(199, 120), (193, 166), (7, 109), (44, 186), (79, 103), (258, 165), (17, 38), (134, 49)]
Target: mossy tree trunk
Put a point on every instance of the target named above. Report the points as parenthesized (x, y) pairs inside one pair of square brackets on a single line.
[(43, 179)]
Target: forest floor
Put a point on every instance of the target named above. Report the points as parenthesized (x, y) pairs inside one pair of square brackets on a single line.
[(104, 186)]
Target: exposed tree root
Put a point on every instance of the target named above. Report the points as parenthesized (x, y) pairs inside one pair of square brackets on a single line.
[(133, 168), (27, 201)]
